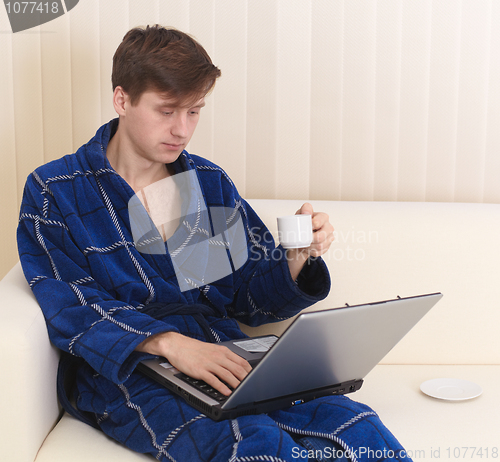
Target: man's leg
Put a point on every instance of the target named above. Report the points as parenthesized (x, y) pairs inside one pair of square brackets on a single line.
[(145, 417)]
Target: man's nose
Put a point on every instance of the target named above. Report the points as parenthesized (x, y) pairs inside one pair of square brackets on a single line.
[(180, 126)]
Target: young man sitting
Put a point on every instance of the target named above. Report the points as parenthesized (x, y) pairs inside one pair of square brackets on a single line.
[(96, 282)]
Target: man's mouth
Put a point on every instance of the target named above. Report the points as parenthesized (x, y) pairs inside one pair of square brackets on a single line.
[(173, 146)]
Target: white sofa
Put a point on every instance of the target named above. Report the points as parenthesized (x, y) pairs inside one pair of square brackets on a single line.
[(383, 249)]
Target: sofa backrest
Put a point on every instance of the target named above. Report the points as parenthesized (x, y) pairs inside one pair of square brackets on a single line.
[(385, 249)]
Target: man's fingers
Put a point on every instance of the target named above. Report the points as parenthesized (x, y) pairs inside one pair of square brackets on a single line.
[(306, 208), (324, 233), (225, 367), (215, 383), (319, 220), (234, 370), (212, 363), (228, 378), (243, 363), (221, 378)]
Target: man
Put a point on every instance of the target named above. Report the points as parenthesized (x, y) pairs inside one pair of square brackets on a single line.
[(108, 304)]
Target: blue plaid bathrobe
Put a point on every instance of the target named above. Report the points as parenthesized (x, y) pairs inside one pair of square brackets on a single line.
[(94, 287)]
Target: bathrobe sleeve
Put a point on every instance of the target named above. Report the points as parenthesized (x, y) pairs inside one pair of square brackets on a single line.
[(263, 288), (82, 318), (265, 291)]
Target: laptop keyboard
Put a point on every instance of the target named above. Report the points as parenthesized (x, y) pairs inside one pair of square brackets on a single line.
[(204, 387)]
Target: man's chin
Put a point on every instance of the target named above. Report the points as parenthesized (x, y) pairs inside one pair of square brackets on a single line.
[(169, 158)]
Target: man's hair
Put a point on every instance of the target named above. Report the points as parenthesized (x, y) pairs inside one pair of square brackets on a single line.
[(164, 60)]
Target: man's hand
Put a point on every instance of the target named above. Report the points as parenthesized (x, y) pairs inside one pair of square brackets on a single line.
[(322, 240), (212, 363)]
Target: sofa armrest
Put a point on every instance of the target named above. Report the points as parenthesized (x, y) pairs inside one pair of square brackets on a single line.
[(29, 367)]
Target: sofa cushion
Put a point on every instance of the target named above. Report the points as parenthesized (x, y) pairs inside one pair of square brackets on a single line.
[(428, 428), (72, 440), (440, 430)]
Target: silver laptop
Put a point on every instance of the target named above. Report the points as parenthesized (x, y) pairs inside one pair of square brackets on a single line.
[(321, 353)]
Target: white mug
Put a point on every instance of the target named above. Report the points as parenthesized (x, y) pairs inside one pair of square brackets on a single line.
[(295, 231)]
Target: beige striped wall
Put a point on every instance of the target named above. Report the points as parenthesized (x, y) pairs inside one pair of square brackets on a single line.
[(394, 100)]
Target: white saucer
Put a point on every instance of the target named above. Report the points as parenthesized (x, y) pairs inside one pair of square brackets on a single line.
[(451, 389)]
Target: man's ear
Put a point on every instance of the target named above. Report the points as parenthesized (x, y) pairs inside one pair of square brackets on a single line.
[(120, 100)]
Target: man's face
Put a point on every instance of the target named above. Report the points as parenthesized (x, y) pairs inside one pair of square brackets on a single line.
[(156, 129)]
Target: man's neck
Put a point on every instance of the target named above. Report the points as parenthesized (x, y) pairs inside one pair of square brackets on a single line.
[(136, 171)]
